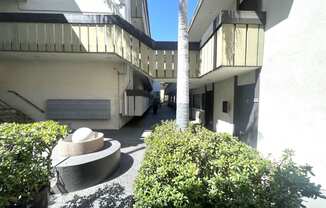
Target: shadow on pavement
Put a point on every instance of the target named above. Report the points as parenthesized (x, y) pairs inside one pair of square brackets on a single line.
[(112, 196), (126, 162), (132, 133)]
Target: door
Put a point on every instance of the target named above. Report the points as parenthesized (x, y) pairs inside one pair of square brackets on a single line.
[(209, 109), (246, 114)]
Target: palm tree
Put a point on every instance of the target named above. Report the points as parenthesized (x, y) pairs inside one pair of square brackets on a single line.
[(183, 67)]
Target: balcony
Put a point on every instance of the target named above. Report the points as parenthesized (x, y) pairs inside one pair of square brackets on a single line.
[(53, 33), (235, 39)]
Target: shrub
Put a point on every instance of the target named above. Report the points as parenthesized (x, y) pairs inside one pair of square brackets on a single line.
[(200, 168), (25, 163)]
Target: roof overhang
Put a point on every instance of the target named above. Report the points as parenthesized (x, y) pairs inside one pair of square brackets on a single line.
[(205, 13), (147, 20)]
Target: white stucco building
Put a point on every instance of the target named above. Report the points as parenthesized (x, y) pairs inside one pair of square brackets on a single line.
[(256, 67), (280, 104), (58, 61)]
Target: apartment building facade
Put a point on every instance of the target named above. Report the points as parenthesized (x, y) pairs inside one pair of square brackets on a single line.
[(256, 67), (64, 60), (279, 104)]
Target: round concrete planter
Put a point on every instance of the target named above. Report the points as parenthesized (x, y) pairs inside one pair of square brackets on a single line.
[(83, 171)]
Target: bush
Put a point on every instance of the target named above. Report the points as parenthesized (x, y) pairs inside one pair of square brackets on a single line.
[(200, 168), (25, 163)]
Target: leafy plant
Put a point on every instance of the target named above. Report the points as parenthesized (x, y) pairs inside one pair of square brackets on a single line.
[(200, 168), (25, 164), (288, 183)]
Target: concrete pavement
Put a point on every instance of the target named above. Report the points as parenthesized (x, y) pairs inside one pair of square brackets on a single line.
[(116, 191)]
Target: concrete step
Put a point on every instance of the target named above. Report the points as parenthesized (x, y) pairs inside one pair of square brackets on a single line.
[(4, 112), (11, 115)]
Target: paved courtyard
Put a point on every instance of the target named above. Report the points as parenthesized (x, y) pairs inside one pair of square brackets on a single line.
[(116, 191)]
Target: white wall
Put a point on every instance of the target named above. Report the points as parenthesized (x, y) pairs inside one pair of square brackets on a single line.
[(124, 8), (292, 111), (141, 105), (223, 91), (39, 80), (75, 6)]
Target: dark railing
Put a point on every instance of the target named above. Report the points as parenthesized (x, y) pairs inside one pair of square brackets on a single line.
[(17, 115), (26, 100), (4, 105)]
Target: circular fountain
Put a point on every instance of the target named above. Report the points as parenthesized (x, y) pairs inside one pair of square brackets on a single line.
[(83, 159)]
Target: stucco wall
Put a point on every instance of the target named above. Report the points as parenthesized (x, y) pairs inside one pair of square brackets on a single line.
[(292, 111), (39, 80), (223, 91), (246, 79)]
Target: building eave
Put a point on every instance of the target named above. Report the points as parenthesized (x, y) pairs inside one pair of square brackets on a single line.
[(147, 18), (204, 15), (198, 6)]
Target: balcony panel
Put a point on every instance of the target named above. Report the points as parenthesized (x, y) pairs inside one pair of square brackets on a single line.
[(207, 56), (227, 43), (135, 51), (240, 42), (126, 45), (144, 57), (100, 33), (109, 41), (261, 38), (169, 56), (252, 45), (194, 64), (152, 63), (83, 39), (118, 41), (160, 63)]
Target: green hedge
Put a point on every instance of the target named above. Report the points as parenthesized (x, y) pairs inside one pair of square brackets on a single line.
[(25, 164), (200, 168)]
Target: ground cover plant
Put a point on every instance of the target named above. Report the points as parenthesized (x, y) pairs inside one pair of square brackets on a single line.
[(200, 168), (25, 164)]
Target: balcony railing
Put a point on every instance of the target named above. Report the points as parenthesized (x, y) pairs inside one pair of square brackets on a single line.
[(235, 39)]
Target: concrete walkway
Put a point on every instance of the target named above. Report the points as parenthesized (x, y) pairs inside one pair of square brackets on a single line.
[(116, 191)]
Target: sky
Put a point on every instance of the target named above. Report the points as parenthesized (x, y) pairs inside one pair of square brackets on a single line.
[(163, 15)]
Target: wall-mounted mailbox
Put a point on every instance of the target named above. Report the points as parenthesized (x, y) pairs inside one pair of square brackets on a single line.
[(225, 106), (78, 109)]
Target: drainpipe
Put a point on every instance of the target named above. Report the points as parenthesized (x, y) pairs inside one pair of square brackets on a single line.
[(121, 106), (119, 97), (237, 4)]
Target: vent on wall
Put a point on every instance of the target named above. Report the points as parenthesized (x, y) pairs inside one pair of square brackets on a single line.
[(225, 107), (80, 109)]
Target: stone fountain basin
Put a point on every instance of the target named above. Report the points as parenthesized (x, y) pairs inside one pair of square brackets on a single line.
[(86, 170), (68, 148)]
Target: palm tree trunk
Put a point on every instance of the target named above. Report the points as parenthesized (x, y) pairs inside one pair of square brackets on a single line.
[(183, 68)]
